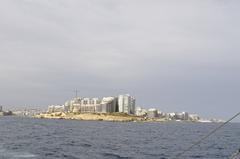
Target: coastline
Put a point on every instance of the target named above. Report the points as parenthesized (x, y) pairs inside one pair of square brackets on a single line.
[(8, 113), (88, 116), (113, 117)]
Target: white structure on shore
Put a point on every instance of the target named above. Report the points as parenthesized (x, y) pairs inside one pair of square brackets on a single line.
[(152, 113), (123, 104), (126, 104), (194, 117), (140, 111), (56, 108), (108, 105), (182, 116), (92, 105)]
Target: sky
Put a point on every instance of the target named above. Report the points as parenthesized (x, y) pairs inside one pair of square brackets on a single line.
[(169, 54)]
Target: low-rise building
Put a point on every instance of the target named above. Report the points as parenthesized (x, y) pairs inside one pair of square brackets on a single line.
[(181, 116), (56, 108), (152, 113), (170, 116), (140, 111), (194, 117)]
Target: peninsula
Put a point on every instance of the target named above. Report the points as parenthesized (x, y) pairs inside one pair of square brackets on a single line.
[(119, 109), (114, 117)]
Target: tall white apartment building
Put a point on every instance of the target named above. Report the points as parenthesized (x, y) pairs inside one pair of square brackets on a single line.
[(126, 104)]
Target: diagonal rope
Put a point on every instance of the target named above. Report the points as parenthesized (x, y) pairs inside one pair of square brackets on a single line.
[(237, 154), (203, 138)]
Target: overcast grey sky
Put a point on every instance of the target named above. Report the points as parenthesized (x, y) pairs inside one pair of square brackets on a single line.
[(170, 54)]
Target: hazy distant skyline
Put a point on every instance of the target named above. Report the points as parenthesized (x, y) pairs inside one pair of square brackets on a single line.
[(172, 55)]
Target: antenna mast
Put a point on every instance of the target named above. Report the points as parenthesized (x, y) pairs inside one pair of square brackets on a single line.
[(76, 93)]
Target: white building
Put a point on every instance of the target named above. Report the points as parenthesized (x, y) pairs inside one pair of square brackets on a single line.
[(194, 117), (152, 113), (92, 105), (140, 111), (56, 108), (126, 104), (182, 116), (108, 105), (123, 103), (171, 116)]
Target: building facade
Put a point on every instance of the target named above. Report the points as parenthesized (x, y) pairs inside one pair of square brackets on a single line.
[(152, 113), (92, 105), (56, 108), (123, 103), (140, 111), (126, 104)]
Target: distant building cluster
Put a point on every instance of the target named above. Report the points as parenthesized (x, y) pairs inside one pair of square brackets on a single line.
[(27, 112), (4, 113), (154, 113), (122, 103)]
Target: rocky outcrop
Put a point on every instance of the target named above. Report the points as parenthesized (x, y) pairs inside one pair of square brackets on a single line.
[(8, 113), (115, 117)]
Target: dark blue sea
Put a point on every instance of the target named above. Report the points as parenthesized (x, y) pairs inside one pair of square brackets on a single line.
[(27, 138)]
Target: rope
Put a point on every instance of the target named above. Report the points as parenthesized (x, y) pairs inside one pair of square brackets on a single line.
[(235, 154), (203, 138)]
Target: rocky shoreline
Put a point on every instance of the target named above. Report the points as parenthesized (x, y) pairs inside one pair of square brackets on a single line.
[(114, 117), (8, 113), (89, 116)]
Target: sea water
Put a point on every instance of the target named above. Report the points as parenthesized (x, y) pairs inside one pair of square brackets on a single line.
[(28, 138)]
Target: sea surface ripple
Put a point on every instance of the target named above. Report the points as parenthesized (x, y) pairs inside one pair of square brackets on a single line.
[(27, 138)]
